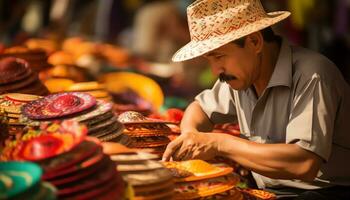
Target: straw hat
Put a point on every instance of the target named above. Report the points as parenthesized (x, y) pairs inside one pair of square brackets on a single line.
[(214, 23)]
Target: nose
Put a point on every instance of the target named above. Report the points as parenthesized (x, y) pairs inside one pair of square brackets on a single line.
[(216, 68)]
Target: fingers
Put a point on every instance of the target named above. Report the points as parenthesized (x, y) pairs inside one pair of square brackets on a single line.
[(171, 148)]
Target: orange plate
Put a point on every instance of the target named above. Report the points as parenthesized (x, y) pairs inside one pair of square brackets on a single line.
[(205, 188), (211, 171)]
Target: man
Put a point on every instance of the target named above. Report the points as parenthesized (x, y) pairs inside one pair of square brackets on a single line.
[(290, 102)]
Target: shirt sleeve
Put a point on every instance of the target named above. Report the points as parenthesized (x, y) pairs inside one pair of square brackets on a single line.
[(312, 116), (218, 103)]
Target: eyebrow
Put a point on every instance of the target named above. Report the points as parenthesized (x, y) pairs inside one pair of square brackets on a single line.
[(212, 54)]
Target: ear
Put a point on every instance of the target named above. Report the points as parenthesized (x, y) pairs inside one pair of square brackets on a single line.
[(255, 42)]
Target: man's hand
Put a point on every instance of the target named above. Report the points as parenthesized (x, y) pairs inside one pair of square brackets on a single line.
[(193, 145)]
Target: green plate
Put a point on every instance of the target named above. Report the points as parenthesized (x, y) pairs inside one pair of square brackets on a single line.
[(17, 177)]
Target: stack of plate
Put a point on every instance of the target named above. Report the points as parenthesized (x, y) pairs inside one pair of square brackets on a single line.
[(145, 133), (21, 180), (96, 115), (17, 76), (199, 179), (95, 89), (76, 165), (148, 178), (37, 58), (10, 106)]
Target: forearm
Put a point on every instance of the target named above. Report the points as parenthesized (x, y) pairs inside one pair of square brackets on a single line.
[(195, 119), (281, 161)]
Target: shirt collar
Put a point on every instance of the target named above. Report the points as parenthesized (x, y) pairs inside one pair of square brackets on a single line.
[(282, 74)]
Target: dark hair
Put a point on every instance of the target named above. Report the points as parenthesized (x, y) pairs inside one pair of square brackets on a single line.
[(267, 33)]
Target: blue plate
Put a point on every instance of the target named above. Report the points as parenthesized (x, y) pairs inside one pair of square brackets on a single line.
[(17, 177)]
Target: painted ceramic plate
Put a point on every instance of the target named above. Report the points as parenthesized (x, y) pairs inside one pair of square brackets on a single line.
[(194, 170), (197, 189), (48, 141), (59, 105), (101, 109), (90, 182), (80, 153), (258, 194), (79, 173), (13, 69), (17, 177), (132, 117)]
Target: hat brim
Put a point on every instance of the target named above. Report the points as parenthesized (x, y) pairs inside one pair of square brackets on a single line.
[(194, 49)]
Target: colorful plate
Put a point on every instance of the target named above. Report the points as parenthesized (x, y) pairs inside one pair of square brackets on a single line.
[(13, 69), (132, 117), (101, 109), (80, 174), (58, 105), (83, 151), (17, 177), (48, 141), (197, 189), (90, 182), (194, 170)]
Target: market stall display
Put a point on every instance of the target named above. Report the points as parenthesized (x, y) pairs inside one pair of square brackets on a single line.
[(70, 161), (148, 177), (82, 107), (197, 178)]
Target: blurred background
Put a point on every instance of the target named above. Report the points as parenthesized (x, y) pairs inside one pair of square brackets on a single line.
[(140, 36)]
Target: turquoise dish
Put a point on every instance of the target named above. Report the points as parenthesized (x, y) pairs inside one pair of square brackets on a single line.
[(18, 177)]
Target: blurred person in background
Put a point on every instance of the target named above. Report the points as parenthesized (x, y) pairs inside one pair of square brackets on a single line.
[(159, 29)]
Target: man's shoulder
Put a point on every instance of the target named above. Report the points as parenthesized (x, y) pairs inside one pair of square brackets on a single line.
[(308, 64)]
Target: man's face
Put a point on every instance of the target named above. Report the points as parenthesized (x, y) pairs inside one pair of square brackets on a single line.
[(238, 66)]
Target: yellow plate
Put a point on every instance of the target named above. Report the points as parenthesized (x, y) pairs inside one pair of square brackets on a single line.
[(144, 86), (86, 86), (58, 84)]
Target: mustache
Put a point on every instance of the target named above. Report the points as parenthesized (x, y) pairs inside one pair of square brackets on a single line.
[(225, 77)]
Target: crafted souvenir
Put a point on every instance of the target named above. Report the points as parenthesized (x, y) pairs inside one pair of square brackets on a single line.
[(48, 141), (258, 194), (197, 189), (17, 178), (194, 170), (13, 69), (66, 160), (59, 105)]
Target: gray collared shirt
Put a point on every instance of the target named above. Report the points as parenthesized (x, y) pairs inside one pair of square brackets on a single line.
[(306, 102)]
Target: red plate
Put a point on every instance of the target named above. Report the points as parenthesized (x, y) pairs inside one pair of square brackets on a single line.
[(102, 176), (82, 152), (100, 192), (79, 174), (59, 105), (97, 157), (49, 141)]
